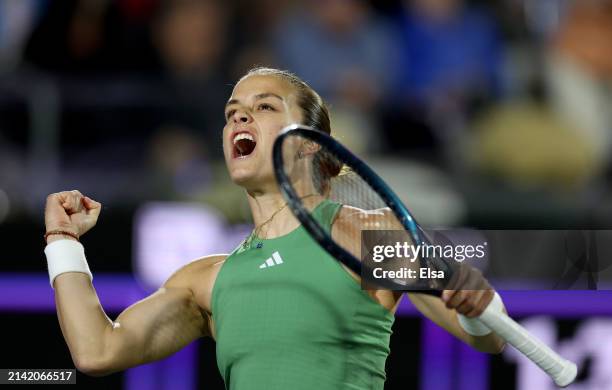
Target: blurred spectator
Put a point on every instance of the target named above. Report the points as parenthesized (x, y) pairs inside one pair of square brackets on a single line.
[(341, 48), (580, 72), (17, 19), (527, 146), (71, 37), (449, 49), (258, 21), (346, 52), (190, 36), (257, 28), (451, 62), (92, 36), (177, 166)]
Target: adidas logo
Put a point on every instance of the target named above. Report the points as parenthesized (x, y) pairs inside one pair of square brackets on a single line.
[(272, 261)]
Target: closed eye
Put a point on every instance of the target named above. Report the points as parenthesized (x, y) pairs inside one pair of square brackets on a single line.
[(229, 114), (265, 107)]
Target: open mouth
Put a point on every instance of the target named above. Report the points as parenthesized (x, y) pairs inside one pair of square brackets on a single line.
[(244, 144)]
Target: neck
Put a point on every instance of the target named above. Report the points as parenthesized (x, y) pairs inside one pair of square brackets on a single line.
[(273, 216), (263, 205)]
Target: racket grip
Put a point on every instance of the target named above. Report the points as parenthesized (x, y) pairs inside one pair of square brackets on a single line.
[(562, 371)]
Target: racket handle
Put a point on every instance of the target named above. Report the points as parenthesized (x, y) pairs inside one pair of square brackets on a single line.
[(562, 371)]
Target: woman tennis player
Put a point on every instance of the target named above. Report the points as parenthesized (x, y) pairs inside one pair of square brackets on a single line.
[(284, 314)]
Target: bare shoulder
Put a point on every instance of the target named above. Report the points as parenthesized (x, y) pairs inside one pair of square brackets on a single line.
[(346, 231), (198, 276), (195, 269)]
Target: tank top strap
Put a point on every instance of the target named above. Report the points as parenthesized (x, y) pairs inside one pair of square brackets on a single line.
[(325, 213)]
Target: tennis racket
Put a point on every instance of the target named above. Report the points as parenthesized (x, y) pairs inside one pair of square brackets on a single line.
[(308, 162)]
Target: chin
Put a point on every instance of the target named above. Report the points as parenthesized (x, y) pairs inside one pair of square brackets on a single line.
[(252, 181), (243, 177)]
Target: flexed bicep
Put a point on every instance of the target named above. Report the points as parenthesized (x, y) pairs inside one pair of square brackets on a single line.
[(155, 328), (150, 329)]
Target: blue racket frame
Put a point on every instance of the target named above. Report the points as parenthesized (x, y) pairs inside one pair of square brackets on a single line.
[(360, 168)]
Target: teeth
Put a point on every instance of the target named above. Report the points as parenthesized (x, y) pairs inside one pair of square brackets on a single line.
[(240, 136)]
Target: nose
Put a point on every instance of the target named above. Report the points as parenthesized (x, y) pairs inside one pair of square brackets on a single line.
[(241, 116)]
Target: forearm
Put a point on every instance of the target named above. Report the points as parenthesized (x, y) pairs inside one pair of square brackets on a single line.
[(84, 323), (82, 319), (150, 329), (490, 343), (477, 334), (434, 309)]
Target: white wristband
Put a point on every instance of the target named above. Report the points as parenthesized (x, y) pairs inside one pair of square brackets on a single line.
[(66, 256), (473, 326)]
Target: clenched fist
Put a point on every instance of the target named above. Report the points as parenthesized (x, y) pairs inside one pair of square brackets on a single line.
[(468, 291), (70, 211)]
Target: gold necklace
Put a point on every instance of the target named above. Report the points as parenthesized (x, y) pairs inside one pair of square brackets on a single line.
[(257, 230)]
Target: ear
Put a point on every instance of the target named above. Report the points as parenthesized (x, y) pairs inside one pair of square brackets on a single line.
[(309, 148)]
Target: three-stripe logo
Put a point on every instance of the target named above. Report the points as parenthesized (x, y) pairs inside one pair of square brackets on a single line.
[(272, 261)]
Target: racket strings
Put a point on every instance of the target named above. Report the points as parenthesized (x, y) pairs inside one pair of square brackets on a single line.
[(316, 168)]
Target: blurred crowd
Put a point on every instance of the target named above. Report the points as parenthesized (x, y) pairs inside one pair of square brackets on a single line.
[(124, 99)]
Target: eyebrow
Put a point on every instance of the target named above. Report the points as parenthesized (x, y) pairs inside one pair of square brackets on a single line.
[(257, 97)]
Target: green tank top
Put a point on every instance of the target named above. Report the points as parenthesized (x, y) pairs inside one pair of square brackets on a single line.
[(288, 316)]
